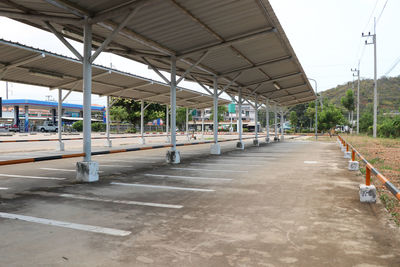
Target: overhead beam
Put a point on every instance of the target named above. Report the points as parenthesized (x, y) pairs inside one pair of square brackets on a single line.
[(226, 43), (22, 61), (256, 66), (156, 70), (285, 89), (80, 79), (193, 66), (273, 79), (70, 7), (118, 11), (292, 95), (129, 88), (29, 17)]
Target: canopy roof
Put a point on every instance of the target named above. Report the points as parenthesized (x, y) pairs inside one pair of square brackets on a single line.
[(240, 42), (23, 64)]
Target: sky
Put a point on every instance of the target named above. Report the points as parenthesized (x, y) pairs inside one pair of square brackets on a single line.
[(325, 35)]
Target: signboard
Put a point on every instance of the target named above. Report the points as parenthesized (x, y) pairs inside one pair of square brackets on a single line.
[(232, 108), (194, 112)]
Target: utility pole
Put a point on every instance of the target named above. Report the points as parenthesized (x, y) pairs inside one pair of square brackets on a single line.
[(316, 108), (375, 71), (356, 72)]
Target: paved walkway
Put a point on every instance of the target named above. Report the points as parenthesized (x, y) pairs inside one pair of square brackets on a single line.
[(282, 204)]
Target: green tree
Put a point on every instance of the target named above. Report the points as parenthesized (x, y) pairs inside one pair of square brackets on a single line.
[(329, 118), (366, 120), (181, 118), (118, 114), (348, 102), (221, 111), (293, 119)]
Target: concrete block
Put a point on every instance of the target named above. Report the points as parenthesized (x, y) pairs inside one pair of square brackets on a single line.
[(255, 142), (240, 145), (367, 193), (282, 138), (343, 148), (347, 154), (267, 139), (87, 171), (173, 156), (276, 139), (142, 141), (215, 149), (353, 166)]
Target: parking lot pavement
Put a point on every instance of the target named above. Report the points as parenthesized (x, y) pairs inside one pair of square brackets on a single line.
[(291, 203)]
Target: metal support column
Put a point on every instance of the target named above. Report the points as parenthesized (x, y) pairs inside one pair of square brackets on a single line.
[(167, 123), (202, 124), (215, 148), (282, 126), (173, 155), (108, 141), (240, 145), (142, 121), (276, 123), (255, 141), (59, 113), (187, 124), (26, 122), (267, 119), (87, 171)]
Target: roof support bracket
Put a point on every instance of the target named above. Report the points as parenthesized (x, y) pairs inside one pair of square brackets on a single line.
[(108, 40), (156, 70), (202, 85), (65, 97), (193, 66), (230, 83), (63, 40)]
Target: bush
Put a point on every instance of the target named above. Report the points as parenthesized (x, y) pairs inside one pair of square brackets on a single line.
[(390, 127), (78, 126), (131, 130), (98, 127)]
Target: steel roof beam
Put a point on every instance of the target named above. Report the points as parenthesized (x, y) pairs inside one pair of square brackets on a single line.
[(22, 61), (156, 70), (80, 79), (256, 66), (116, 11), (29, 17), (282, 77), (292, 95), (226, 43), (193, 66), (229, 84), (129, 88), (68, 6)]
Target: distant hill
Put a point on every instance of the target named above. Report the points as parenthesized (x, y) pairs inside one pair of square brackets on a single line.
[(388, 93)]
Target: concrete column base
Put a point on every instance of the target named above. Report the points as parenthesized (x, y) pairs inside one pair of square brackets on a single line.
[(282, 138), (255, 142), (267, 139), (61, 146), (173, 156), (142, 141), (347, 155), (353, 166), (240, 145), (167, 139), (276, 139), (215, 149), (367, 193), (87, 171), (108, 143)]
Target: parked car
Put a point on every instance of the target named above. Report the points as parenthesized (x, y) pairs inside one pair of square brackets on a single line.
[(48, 126), (13, 128)]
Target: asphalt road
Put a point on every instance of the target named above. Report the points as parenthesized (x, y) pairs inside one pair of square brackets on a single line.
[(282, 204)]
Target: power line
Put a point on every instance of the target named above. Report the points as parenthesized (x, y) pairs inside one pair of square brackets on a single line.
[(396, 62), (383, 9)]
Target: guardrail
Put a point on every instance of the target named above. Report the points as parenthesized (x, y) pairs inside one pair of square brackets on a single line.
[(370, 169)]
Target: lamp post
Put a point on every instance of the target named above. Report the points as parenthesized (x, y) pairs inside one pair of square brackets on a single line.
[(316, 107)]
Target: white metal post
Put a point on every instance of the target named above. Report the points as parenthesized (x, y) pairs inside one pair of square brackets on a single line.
[(187, 124), (87, 92), (240, 143), (215, 148), (108, 143), (375, 84), (87, 171), (256, 120), (167, 122), (202, 124), (59, 128), (282, 125), (142, 120), (276, 122), (358, 99), (267, 118)]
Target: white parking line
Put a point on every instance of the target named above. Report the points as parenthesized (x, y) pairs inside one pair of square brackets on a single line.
[(62, 170), (31, 177), (186, 177), (115, 166), (3, 188), (165, 187), (310, 162), (128, 161), (241, 159), (76, 226), (129, 202), (224, 164), (193, 169)]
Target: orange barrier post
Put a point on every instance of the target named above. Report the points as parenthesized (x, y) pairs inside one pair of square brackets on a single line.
[(347, 147), (353, 155), (367, 175)]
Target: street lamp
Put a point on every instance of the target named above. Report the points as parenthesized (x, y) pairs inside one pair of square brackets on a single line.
[(316, 107)]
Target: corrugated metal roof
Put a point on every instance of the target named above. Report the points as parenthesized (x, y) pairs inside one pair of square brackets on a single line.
[(33, 66), (239, 34)]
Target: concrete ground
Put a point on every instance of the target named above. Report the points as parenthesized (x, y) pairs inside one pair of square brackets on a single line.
[(282, 204)]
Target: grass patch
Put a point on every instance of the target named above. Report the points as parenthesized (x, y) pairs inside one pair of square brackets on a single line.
[(390, 204)]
